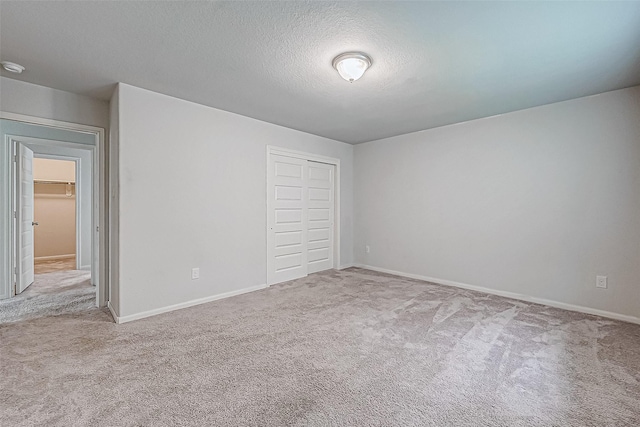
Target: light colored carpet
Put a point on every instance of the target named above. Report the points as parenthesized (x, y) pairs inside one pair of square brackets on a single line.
[(336, 348), (51, 294)]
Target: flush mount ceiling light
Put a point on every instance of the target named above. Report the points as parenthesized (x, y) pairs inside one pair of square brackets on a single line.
[(351, 65), (12, 67)]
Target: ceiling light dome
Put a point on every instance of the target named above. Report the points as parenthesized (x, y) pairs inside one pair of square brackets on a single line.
[(12, 67), (351, 65)]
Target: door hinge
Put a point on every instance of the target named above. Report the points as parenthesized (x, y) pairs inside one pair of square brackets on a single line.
[(15, 159), (97, 229)]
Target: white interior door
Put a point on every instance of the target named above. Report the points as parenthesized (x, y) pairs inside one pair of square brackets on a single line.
[(24, 218), (287, 219), (320, 216)]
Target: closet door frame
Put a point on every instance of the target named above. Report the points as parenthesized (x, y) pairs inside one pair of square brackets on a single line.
[(314, 158)]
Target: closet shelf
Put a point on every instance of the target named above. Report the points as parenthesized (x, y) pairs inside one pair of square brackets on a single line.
[(36, 181)]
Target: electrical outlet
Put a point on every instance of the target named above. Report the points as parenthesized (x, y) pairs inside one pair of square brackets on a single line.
[(367, 249), (601, 282), (195, 273)]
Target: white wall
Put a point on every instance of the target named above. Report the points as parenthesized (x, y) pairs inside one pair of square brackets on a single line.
[(536, 202), (210, 209), (54, 170), (39, 101)]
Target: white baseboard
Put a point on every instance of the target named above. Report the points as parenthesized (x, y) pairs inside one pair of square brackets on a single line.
[(52, 257), (155, 311), (506, 294), (85, 267), (342, 267)]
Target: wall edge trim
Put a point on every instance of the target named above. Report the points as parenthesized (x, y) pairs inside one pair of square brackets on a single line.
[(186, 304), (507, 294)]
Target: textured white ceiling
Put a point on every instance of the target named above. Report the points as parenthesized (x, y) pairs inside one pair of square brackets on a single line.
[(435, 63)]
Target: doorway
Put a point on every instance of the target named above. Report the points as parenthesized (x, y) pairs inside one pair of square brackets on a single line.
[(55, 212), (83, 251), (48, 232)]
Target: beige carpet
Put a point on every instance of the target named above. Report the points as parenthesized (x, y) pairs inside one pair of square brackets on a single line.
[(336, 348)]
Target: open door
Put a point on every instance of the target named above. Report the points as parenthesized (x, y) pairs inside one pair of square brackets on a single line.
[(24, 218)]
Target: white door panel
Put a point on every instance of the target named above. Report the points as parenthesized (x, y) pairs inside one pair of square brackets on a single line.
[(319, 234), (286, 263), (24, 223), (288, 193), (322, 174), (288, 216), (286, 168), (318, 255), (319, 194)]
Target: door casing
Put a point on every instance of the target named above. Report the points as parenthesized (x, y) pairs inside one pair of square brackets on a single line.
[(100, 241)]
